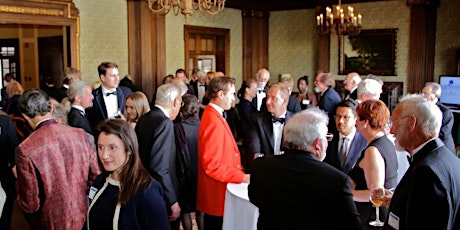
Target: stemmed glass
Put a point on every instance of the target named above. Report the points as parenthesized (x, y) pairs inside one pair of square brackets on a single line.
[(376, 194)]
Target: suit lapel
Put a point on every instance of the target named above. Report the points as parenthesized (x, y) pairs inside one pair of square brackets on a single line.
[(267, 126), (120, 97), (224, 122), (100, 101)]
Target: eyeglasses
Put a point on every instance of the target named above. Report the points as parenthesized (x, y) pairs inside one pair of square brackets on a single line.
[(391, 122), (329, 136), (345, 118)]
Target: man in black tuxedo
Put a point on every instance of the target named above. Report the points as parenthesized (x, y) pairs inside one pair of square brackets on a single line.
[(329, 98), (199, 88), (109, 99), (298, 191), (262, 78), (265, 132), (351, 85), (432, 92), (81, 97), (347, 144), (293, 104), (8, 142), (157, 148), (428, 196)]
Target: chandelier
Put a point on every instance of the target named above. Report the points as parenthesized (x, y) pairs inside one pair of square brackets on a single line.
[(343, 25), (186, 7)]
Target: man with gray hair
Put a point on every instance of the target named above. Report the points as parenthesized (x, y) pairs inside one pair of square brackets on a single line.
[(428, 196), (54, 167), (295, 190), (157, 149), (262, 78), (81, 97), (432, 92), (369, 89), (351, 85)]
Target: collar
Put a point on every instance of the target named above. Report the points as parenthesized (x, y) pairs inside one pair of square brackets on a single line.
[(349, 136), (282, 115), (163, 110), (105, 91), (45, 122), (78, 107), (421, 146), (218, 108)]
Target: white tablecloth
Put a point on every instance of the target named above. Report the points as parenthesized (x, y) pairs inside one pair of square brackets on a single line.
[(239, 213)]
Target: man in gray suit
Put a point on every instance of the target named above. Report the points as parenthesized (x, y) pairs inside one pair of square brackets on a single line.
[(428, 196)]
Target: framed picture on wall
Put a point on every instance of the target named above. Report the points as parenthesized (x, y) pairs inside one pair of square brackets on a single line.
[(370, 52), (207, 62)]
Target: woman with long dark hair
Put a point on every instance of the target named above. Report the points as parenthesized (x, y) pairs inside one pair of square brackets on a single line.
[(124, 196)]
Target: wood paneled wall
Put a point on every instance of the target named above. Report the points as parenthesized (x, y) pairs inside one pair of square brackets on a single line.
[(255, 42)]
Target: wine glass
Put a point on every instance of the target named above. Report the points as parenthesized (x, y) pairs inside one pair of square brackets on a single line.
[(376, 194)]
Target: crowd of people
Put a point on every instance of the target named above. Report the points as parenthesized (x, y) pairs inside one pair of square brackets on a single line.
[(84, 157)]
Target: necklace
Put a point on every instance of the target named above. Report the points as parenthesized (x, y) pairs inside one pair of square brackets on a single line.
[(376, 136)]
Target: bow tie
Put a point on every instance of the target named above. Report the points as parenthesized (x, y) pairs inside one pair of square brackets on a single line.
[(280, 120), (111, 93), (203, 85), (260, 91)]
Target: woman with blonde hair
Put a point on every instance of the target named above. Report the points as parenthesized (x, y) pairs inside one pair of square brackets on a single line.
[(14, 90), (136, 105)]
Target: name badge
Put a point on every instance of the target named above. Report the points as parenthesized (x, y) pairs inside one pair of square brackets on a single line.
[(393, 220), (92, 192), (305, 102)]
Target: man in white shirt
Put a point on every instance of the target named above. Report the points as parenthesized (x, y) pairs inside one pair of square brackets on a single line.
[(262, 78)]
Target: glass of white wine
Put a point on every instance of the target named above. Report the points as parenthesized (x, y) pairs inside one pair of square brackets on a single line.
[(376, 194)]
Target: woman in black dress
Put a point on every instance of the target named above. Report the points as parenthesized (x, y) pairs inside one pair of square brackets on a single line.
[(377, 164)]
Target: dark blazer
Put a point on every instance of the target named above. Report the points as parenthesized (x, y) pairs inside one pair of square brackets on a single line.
[(75, 118), (260, 134), (293, 105), (297, 191), (254, 101), (445, 134), (245, 110), (194, 85), (157, 149), (358, 144), (98, 112), (329, 100), (428, 196), (351, 96)]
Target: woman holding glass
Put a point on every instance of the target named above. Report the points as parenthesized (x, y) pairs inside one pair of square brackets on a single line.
[(377, 166), (124, 196)]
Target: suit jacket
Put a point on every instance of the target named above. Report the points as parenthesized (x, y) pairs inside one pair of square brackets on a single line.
[(293, 105), (98, 112), (358, 144), (260, 134), (445, 134), (75, 118), (194, 85), (329, 100), (310, 96), (297, 191), (218, 162), (157, 149), (254, 101), (351, 96), (8, 142), (428, 196), (54, 171)]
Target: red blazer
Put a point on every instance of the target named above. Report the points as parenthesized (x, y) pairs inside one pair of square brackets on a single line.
[(218, 162)]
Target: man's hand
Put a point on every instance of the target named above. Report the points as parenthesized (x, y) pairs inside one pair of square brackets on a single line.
[(247, 178), (175, 212)]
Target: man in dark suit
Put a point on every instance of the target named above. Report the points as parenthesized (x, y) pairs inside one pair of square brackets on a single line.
[(298, 191), (157, 149), (182, 76), (351, 85), (262, 78), (109, 99), (293, 104), (347, 144), (329, 98), (428, 196), (81, 97), (266, 128), (432, 92), (8, 142), (199, 88)]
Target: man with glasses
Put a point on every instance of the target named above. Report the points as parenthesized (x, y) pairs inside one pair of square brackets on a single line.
[(347, 144), (157, 148), (298, 191), (428, 196)]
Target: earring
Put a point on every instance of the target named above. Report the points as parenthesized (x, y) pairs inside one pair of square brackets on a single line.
[(365, 126)]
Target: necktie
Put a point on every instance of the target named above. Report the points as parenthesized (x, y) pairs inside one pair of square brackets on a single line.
[(280, 120), (343, 150), (224, 114), (111, 93)]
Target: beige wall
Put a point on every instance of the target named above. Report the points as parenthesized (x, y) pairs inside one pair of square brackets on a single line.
[(292, 39), (228, 19), (447, 38), (103, 35)]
